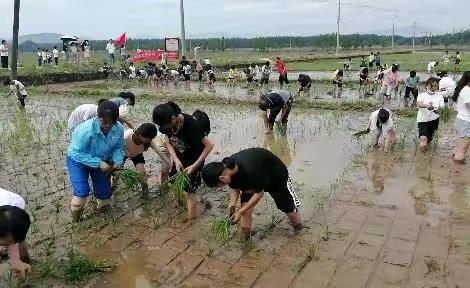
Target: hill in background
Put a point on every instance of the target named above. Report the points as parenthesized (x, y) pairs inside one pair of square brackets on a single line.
[(41, 38)]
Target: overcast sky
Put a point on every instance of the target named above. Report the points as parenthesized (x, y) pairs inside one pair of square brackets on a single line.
[(102, 19)]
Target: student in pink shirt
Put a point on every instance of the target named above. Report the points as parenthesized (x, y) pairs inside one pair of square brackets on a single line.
[(390, 81)]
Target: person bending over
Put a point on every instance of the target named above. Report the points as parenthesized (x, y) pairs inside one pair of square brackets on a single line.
[(275, 101)]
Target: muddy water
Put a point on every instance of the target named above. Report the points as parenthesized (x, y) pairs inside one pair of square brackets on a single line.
[(317, 148)]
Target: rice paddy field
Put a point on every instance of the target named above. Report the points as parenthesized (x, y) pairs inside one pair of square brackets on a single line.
[(296, 61), (374, 219)]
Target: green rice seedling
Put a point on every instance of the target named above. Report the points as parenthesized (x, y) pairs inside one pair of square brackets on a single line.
[(178, 184), (80, 266), (222, 229), (445, 115), (130, 178)]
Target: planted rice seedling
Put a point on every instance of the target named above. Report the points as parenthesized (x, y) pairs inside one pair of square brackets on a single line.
[(178, 185), (130, 178), (222, 230), (80, 266)]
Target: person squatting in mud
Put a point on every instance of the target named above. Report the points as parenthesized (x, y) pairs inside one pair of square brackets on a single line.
[(251, 173)]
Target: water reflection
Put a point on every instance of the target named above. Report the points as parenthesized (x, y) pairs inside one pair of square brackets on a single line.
[(423, 190), (379, 167), (279, 145)]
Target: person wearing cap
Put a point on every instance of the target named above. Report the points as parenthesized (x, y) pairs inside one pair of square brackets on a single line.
[(251, 173), (275, 101)]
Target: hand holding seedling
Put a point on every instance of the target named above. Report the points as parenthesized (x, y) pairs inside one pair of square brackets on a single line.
[(106, 168), (178, 165), (190, 169), (430, 106), (235, 218)]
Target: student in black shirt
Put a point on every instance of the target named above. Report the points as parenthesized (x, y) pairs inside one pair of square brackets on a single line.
[(187, 144), (305, 83), (275, 101), (250, 173)]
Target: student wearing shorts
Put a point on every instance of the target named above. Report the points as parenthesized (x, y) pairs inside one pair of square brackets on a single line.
[(188, 145), (305, 83), (429, 105), (96, 150), (14, 225), (17, 88), (136, 143), (275, 101), (462, 121), (411, 86), (251, 173)]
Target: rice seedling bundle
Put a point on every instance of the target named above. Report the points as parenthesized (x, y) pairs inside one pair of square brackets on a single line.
[(130, 178), (178, 185), (222, 230)]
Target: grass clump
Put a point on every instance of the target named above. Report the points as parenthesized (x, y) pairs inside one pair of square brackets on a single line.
[(81, 266), (131, 179), (179, 183), (222, 229), (446, 115)]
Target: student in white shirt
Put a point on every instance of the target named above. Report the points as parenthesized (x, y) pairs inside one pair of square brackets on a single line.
[(136, 142), (18, 88), (82, 113), (55, 53), (111, 48), (462, 121), (446, 86), (4, 54), (429, 105), (431, 66), (132, 75), (265, 73), (14, 226), (381, 122)]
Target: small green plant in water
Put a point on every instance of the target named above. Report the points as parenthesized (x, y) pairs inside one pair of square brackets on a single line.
[(81, 266), (222, 230), (178, 185), (131, 179)]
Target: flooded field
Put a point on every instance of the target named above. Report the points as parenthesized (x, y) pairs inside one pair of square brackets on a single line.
[(374, 219)]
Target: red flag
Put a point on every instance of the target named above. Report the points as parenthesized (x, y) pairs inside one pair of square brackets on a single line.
[(121, 40)]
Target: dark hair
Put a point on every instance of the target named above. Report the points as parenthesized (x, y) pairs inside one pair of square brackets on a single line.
[(108, 110), (131, 63), (340, 73), (431, 80), (413, 74), (163, 113), (212, 171), (464, 81), (442, 74), (6, 82), (3, 41), (14, 222), (147, 130), (395, 68), (253, 64), (55, 47), (278, 58), (128, 95), (263, 102), (457, 52), (267, 63), (101, 101), (383, 116), (437, 63), (232, 67)]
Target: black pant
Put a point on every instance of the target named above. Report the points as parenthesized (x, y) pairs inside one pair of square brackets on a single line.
[(283, 79), (56, 60), (4, 61), (428, 129), (413, 91)]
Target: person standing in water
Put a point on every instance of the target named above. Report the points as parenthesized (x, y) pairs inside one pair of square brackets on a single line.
[(275, 101), (305, 83), (282, 69), (251, 173), (462, 121), (96, 150), (338, 83), (411, 86), (187, 144), (429, 105)]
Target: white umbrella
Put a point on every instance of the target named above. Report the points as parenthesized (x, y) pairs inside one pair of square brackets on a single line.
[(68, 38)]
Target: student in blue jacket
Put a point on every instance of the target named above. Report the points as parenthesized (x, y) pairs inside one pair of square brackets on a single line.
[(97, 148)]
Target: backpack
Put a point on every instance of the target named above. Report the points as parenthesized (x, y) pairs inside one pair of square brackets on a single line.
[(203, 120)]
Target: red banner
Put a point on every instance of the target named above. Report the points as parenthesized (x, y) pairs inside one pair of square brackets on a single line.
[(154, 56), (120, 41)]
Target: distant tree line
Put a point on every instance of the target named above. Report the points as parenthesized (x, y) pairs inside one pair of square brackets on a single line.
[(324, 41)]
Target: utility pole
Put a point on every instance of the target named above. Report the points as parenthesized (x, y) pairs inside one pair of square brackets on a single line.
[(337, 33), (393, 29), (183, 33), (414, 35), (14, 46)]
